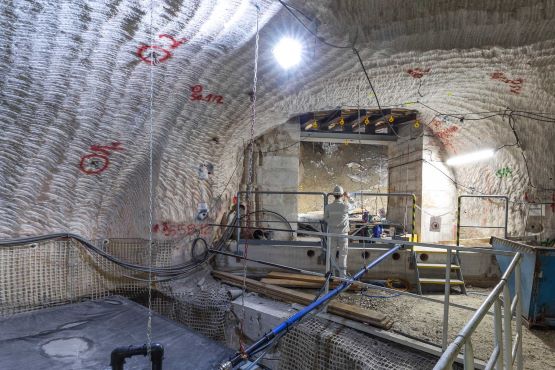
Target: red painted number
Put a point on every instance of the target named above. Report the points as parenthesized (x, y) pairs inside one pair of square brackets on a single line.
[(196, 95)]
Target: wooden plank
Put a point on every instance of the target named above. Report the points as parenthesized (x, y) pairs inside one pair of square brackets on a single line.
[(309, 279), (292, 283), (348, 311)]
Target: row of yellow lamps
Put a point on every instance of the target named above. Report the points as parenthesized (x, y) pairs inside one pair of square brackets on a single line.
[(342, 122)]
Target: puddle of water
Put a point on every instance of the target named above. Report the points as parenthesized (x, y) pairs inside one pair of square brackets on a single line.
[(66, 347)]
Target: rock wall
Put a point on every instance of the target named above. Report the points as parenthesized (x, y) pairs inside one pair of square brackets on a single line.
[(356, 167)]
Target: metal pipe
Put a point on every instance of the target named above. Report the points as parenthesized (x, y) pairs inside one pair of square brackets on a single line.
[(328, 263), (394, 241), (507, 332), (506, 198), (458, 221), (238, 357), (492, 359), (156, 351), (454, 348), (498, 323), (446, 300), (518, 324), (468, 355), (283, 192), (248, 192), (483, 227)]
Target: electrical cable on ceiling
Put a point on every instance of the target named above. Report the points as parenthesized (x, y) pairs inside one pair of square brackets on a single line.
[(354, 49)]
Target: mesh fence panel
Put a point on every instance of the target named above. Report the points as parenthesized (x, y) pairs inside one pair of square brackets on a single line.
[(58, 272), (315, 344)]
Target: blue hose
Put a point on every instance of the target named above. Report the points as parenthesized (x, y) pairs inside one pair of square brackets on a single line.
[(238, 357)]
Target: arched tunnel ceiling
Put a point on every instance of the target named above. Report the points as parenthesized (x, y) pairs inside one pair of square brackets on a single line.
[(76, 95)]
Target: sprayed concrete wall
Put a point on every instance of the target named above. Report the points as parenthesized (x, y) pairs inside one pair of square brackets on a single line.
[(75, 81)]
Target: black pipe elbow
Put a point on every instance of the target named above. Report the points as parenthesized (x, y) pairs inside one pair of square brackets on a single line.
[(120, 354)]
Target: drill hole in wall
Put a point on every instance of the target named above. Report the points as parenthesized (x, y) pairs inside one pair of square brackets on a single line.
[(310, 253), (423, 257), (336, 254), (365, 255), (396, 256)]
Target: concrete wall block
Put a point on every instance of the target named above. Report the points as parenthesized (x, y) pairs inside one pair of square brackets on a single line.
[(286, 162)]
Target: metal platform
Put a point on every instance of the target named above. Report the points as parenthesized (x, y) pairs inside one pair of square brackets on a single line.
[(82, 336)]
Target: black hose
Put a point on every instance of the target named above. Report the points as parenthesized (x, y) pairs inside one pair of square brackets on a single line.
[(172, 272), (204, 254), (285, 221)]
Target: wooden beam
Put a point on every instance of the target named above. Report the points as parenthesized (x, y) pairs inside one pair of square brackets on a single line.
[(357, 313), (308, 278), (293, 283)]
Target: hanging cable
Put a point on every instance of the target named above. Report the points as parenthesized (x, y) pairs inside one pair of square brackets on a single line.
[(150, 185), (249, 175)]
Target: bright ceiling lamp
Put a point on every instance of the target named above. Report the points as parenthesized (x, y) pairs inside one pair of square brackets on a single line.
[(470, 157), (288, 52)]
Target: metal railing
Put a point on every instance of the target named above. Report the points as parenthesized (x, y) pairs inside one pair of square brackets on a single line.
[(507, 350), (249, 193), (409, 195), (504, 227)]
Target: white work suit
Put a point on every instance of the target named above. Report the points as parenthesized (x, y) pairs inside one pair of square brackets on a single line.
[(336, 216)]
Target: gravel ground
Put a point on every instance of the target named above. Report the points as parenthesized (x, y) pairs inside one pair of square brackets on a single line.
[(423, 320)]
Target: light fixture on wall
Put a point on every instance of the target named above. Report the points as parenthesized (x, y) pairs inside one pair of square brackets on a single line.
[(288, 52), (470, 157)]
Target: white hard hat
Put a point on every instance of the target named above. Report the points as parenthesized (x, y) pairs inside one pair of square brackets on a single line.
[(338, 190)]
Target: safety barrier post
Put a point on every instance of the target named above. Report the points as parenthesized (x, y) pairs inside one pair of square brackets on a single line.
[(468, 355), (446, 299), (505, 225), (518, 323), (507, 332), (498, 333)]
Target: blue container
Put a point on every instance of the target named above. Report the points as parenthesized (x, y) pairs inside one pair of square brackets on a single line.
[(377, 231), (538, 280)]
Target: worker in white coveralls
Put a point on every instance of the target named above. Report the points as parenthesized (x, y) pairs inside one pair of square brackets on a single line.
[(336, 216)]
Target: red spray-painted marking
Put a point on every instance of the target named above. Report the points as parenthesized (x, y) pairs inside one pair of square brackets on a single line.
[(418, 72), (175, 43), (173, 229), (444, 134), (196, 95), (98, 162), (154, 54), (527, 199), (514, 85)]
